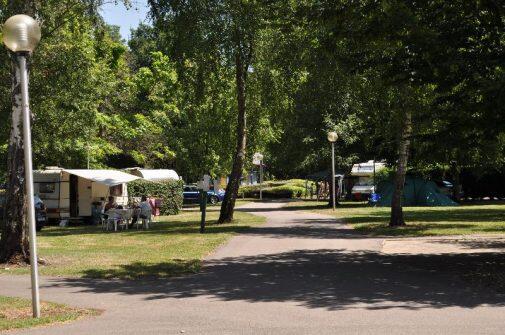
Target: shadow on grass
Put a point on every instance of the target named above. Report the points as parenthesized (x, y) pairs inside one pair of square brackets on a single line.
[(137, 270), (159, 228), (421, 215), (330, 279)]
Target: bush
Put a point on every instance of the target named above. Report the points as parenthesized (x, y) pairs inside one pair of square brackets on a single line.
[(294, 188), (170, 193)]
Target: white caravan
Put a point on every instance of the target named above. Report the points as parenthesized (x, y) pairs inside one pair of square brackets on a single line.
[(364, 172), (71, 193)]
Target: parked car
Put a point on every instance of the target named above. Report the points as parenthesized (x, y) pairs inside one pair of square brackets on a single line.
[(447, 188), (40, 211), (191, 193)]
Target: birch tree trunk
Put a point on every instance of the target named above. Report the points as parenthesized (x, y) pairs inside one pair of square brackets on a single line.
[(228, 205), (14, 246), (397, 218)]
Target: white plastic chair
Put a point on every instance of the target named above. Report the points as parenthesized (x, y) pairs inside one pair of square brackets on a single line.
[(144, 219)]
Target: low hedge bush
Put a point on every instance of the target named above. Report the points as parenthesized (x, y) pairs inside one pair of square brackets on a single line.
[(170, 193), (294, 188)]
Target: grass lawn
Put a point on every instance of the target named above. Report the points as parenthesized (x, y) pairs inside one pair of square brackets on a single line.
[(171, 247), (421, 221), (16, 313)]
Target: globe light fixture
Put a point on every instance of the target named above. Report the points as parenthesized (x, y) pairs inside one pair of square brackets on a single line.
[(332, 136), (21, 33)]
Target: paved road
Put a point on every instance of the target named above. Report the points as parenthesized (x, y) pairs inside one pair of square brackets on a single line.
[(301, 273)]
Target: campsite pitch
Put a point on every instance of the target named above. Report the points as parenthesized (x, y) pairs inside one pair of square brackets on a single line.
[(172, 246)]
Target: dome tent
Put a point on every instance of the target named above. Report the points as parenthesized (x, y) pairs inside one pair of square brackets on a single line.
[(417, 192)]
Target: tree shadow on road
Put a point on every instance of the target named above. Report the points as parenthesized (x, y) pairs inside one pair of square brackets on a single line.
[(329, 279)]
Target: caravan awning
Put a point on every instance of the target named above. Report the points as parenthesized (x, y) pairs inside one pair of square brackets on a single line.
[(106, 177)]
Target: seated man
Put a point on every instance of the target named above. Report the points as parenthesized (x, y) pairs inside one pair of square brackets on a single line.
[(110, 204)]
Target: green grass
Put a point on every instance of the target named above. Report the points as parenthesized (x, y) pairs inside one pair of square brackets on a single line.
[(172, 246), (16, 313), (421, 221), (276, 189)]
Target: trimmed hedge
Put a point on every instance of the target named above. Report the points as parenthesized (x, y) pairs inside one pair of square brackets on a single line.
[(294, 188), (170, 193)]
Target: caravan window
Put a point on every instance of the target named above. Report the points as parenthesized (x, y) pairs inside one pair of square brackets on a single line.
[(47, 187), (116, 191)]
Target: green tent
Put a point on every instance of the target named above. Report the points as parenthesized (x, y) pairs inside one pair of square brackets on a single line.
[(417, 192)]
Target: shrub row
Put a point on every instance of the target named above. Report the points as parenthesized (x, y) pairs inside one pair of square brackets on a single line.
[(276, 189), (170, 193)]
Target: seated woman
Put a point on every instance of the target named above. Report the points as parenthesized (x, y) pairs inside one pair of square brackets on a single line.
[(145, 208)]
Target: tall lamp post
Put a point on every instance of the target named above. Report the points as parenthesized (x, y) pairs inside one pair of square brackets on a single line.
[(332, 138), (258, 160), (21, 34)]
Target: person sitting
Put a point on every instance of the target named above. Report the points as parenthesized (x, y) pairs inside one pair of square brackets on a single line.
[(110, 204), (145, 209)]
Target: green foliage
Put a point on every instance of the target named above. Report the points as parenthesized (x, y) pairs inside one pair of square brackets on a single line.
[(287, 189), (384, 174), (170, 193), (168, 99)]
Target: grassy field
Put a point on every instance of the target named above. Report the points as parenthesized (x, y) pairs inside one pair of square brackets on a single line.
[(171, 247), (421, 221), (16, 313)]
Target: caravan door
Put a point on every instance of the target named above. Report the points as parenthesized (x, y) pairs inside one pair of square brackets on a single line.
[(74, 196)]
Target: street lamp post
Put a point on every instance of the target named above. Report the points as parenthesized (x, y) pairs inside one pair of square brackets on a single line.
[(258, 160), (21, 34), (332, 138), (261, 178)]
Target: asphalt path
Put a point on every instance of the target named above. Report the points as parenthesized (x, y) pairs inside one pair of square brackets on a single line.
[(300, 273)]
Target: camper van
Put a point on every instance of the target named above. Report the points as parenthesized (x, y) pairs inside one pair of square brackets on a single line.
[(363, 174), (71, 193)]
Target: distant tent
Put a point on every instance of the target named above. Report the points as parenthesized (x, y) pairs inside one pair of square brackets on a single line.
[(417, 192)]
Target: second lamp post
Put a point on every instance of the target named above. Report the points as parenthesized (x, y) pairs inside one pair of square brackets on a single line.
[(332, 138)]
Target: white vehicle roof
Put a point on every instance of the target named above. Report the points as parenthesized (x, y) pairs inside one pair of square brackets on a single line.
[(366, 169), (154, 174)]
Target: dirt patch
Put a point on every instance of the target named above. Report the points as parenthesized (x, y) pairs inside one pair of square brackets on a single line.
[(445, 245)]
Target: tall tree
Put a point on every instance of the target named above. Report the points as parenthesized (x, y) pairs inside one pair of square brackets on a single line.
[(14, 240), (227, 30), (66, 25)]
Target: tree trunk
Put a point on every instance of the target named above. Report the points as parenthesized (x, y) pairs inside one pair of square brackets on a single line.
[(228, 205), (14, 247), (403, 154), (456, 188)]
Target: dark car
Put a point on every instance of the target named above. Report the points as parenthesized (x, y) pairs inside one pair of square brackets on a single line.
[(192, 193), (447, 188), (40, 211)]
